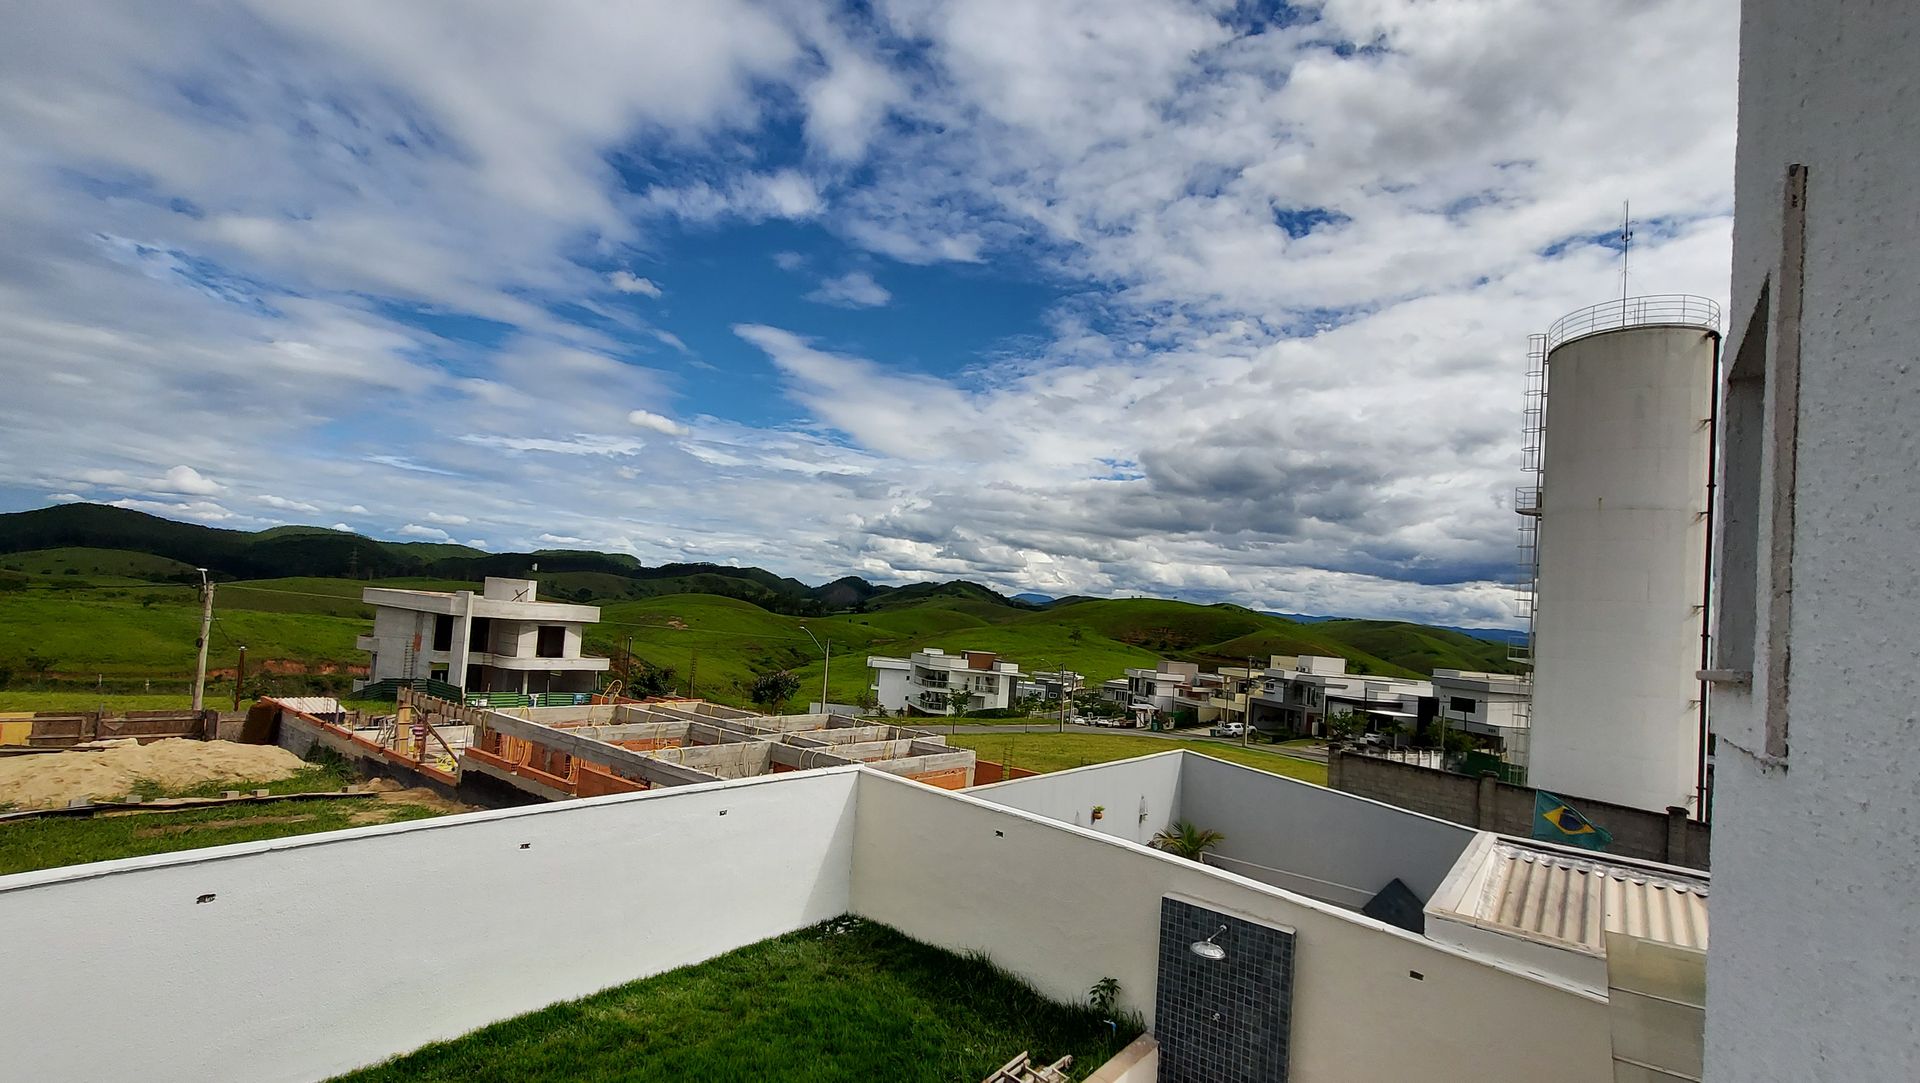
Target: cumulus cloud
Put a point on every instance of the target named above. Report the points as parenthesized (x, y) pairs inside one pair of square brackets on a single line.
[(1292, 262), (628, 282), (430, 533), (446, 519), (647, 419), (855, 289)]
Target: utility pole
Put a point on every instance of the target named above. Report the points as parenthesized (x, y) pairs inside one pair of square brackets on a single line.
[(825, 667), (240, 677), (206, 627)]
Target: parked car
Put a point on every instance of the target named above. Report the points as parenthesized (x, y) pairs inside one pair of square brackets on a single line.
[(1229, 729)]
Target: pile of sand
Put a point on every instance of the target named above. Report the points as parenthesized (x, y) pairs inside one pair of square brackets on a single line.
[(50, 780)]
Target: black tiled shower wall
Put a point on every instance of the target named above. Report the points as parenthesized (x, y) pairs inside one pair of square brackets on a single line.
[(1227, 1020)]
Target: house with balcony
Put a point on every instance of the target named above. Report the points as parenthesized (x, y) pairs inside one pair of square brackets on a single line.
[(1296, 696), (926, 681), (502, 639), (1050, 686)]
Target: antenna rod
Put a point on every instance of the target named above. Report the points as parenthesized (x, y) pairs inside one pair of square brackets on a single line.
[(1626, 242)]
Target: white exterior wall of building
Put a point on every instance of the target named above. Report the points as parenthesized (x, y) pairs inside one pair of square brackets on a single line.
[(921, 680), (1812, 970), (1095, 913), (402, 644), (1623, 544), (652, 881), (522, 908)]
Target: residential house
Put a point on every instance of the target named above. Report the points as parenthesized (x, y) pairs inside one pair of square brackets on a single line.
[(925, 680), (503, 639)]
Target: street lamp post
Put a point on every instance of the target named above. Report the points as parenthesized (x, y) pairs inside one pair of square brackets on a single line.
[(826, 667)]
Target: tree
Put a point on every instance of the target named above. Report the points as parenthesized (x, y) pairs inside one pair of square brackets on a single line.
[(647, 679), (770, 690), (38, 665), (1346, 726), (1076, 635), (957, 701), (1183, 838)]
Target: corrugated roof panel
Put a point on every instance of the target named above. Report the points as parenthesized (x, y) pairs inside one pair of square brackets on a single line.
[(1549, 895)]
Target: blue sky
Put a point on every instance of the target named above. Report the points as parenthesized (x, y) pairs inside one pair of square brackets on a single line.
[(1212, 300)]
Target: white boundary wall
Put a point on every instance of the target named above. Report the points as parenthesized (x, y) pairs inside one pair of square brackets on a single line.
[(1140, 796), (321, 953), (1065, 906)]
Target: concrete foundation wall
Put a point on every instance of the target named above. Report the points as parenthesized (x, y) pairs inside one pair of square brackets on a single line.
[(1066, 906), (1507, 809), (301, 958)]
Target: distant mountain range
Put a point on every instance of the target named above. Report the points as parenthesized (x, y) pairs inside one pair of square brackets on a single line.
[(1493, 635), (61, 545)]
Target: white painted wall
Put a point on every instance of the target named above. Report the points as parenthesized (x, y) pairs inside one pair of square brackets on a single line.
[(1141, 796), (1339, 840), (1816, 935), (318, 954), (1065, 907), (1623, 546), (1331, 845)]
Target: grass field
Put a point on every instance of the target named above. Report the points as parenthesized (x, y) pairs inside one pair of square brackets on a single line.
[(1046, 752), (58, 841), (50, 843), (846, 1000), (24, 699), (92, 615)]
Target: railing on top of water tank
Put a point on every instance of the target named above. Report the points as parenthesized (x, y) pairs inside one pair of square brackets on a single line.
[(1683, 309)]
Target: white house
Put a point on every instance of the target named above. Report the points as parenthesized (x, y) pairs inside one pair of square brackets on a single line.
[(1299, 694), (925, 680), (503, 639), (1485, 704), (1152, 693), (1049, 685), (1815, 763)]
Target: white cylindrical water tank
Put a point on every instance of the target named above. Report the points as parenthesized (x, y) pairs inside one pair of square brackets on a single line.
[(1619, 603)]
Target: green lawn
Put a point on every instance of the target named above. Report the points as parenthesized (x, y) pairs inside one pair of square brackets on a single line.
[(21, 699), (58, 841), (845, 1000), (1045, 752)]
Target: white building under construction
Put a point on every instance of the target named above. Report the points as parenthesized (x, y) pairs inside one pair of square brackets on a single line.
[(1621, 421), (503, 639)]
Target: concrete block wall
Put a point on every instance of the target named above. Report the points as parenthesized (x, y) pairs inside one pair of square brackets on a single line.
[(1497, 806)]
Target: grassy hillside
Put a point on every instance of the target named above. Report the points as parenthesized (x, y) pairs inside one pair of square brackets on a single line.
[(98, 612)]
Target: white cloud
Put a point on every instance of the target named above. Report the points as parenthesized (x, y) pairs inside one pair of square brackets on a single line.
[(447, 520), (286, 505), (1295, 275), (477, 543), (584, 443), (415, 530), (647, 419), (341, 526), (628, 282), (855, 289)]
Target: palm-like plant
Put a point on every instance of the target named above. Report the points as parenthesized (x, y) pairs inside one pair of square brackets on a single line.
[(1183, 838)]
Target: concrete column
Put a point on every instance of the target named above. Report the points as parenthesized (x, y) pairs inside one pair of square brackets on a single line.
[(457, 653), (1334, 756), (1676, 835), (1484, 805)]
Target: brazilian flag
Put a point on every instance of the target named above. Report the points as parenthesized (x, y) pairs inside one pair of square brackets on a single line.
[(1555, 821)]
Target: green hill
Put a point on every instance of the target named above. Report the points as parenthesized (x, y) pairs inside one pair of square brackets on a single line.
[(103, 590)]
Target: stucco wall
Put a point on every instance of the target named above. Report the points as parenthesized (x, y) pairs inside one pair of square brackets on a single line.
[(298, 959), (1340, 840), (1065, 907), (1140, 796), (1509, 809), (1812, 970)]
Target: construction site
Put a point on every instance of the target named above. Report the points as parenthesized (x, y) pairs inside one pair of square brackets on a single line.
[(513, 755)]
